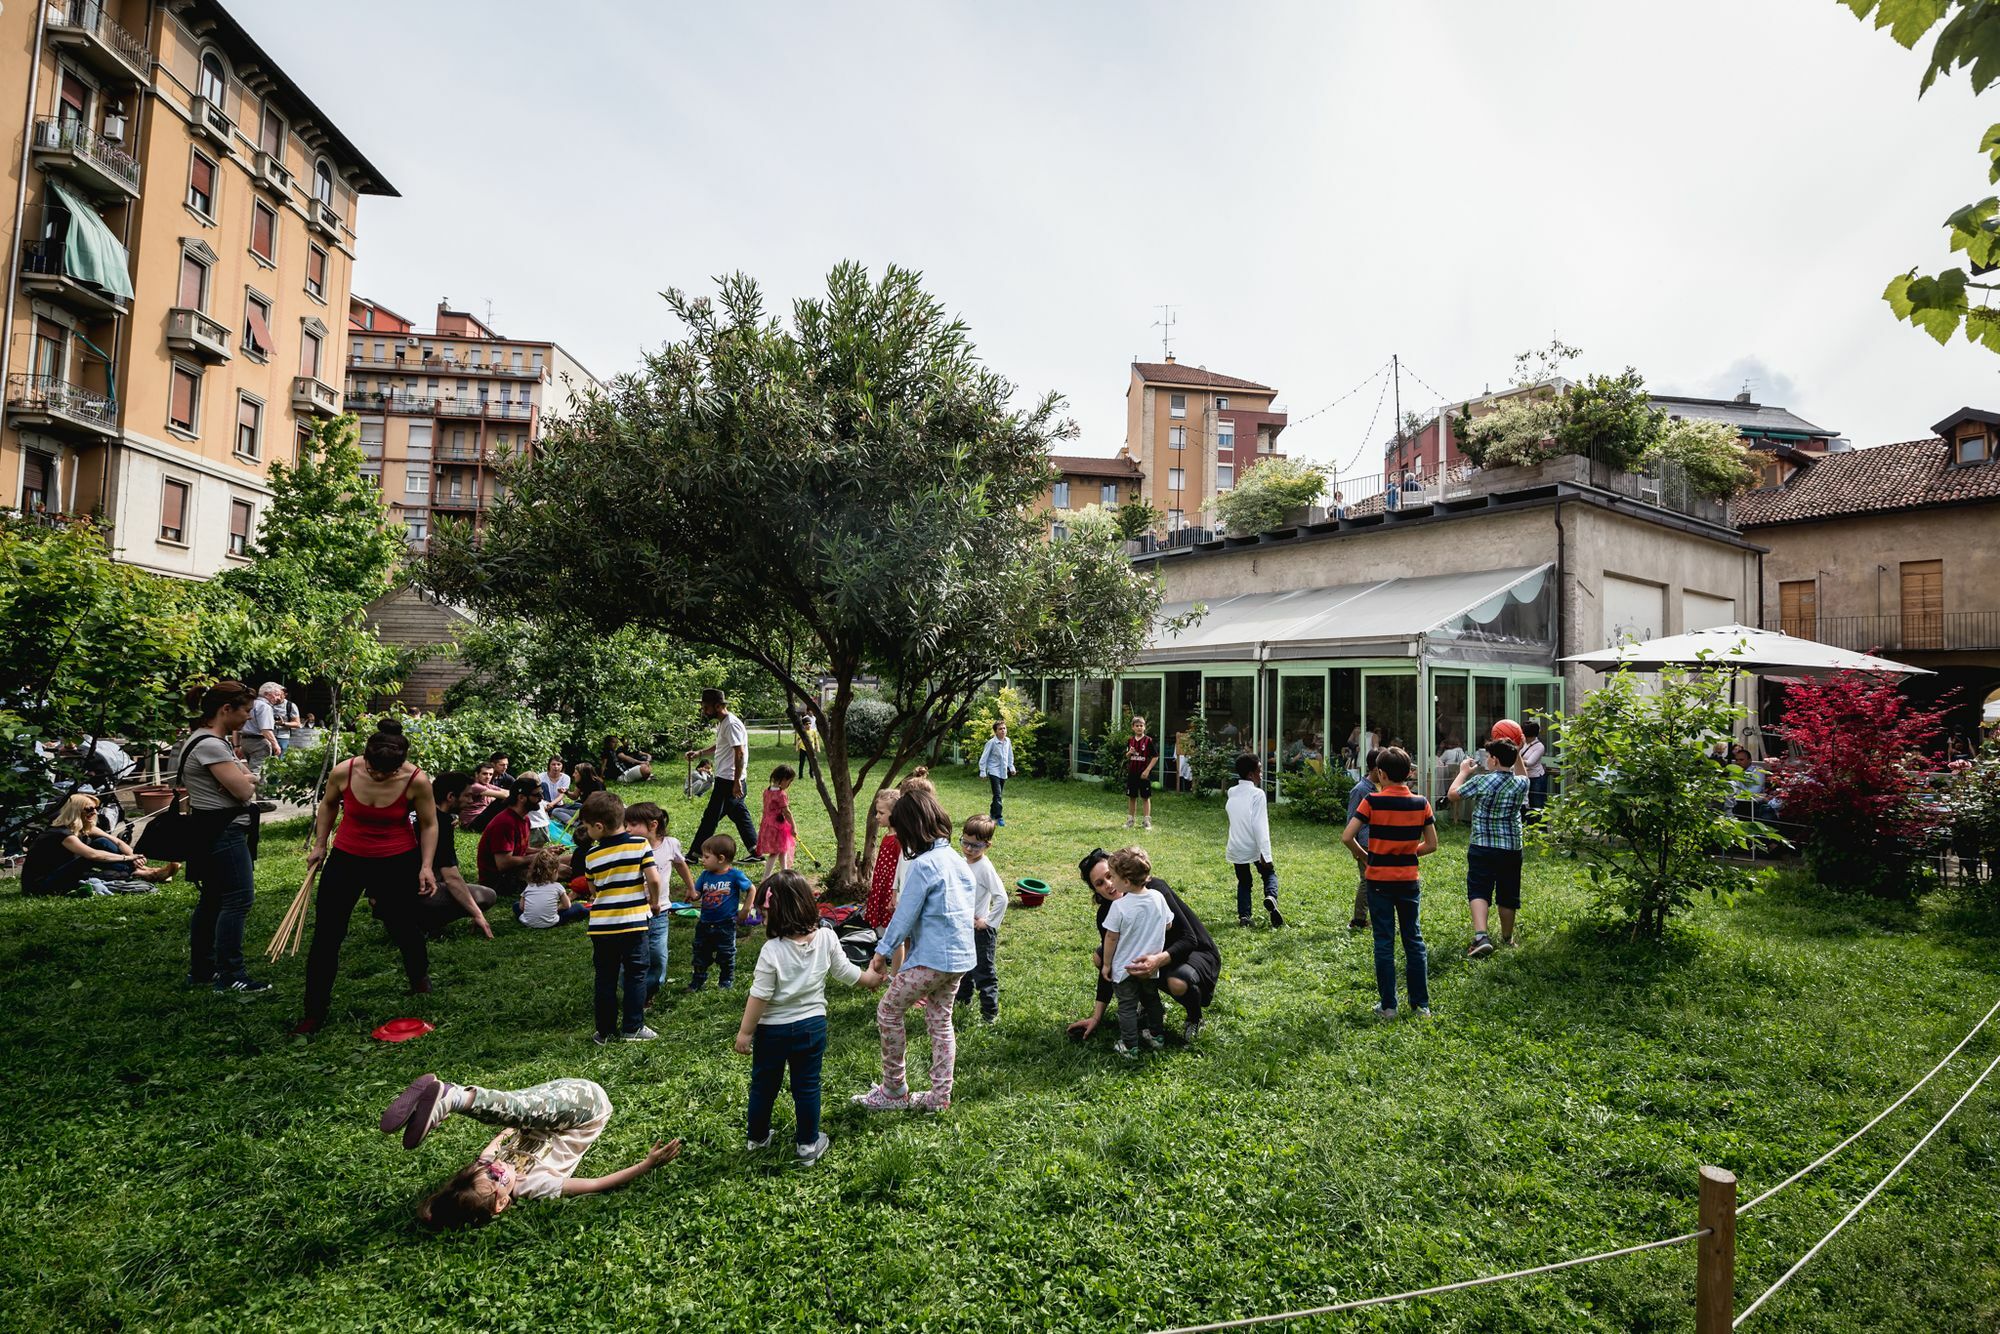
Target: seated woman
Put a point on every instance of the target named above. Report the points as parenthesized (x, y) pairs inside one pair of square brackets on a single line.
[(1753, 799), (625, 764), (74, 849), (1187, 968), (587, 782)]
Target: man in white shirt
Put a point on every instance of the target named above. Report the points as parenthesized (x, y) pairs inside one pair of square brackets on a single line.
[(1250, 840), (260, 734), (996, 766), (732, 763)]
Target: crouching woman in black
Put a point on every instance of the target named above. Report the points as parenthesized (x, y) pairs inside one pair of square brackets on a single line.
[(1187, 968)]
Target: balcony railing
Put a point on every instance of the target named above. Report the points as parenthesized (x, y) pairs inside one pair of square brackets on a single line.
[(315, 396), (100, 164), (191, 331), (62, 403), (1913, 632), (496, 409), (326, 218), (45, 270), (272, 174), (441, 366), (82, 25), (457, 503), (211, 120)]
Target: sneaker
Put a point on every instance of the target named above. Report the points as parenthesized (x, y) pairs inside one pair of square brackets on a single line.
[(1190, 1030), (1002, 824), (426, 1115), (1243, 921), (421, 987), (601, 1039), (696, 986), (1357, 924), (752, 859), (1271, 907), (641, 1034), (305, 1028), (726, 986), (813, 1152), (751, 1146), (1129, 1053), (989, 1020), (1482, 945), (879, 1099), (1506, 942), (1149, 824), (1128, 822), (1153, 1041), (1385, 1012), (242, 986), (1423, 1012), (400, 1107), (930, 1101)]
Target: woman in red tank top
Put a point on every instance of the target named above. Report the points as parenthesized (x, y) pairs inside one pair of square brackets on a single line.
[(376, 851)]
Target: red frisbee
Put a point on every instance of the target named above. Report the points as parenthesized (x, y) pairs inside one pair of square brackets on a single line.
[(402, 1030)]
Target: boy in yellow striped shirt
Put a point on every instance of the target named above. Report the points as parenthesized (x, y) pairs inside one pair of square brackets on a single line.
[(625, 893)]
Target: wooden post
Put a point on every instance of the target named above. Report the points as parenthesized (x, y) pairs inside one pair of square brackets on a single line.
[(1715, 1258)]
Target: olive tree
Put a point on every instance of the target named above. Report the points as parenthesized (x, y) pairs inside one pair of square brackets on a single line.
[(845, 492)]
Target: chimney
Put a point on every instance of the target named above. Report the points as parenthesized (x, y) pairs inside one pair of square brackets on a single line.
[(1170, 358)]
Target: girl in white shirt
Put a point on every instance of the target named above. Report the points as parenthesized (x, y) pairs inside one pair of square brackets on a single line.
[(784, 1020), (545, 902)]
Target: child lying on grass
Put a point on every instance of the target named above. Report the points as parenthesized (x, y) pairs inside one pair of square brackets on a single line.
[(548, 1129)]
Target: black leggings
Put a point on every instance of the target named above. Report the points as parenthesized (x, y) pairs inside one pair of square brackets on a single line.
[(392, 883)]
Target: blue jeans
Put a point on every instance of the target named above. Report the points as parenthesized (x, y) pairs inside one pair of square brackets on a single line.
[(714, 943), (1387, 911), (1269, 874), (997, 808), (228, 888), (983, 979), (620, 957), (656, 952), (801, 1045)]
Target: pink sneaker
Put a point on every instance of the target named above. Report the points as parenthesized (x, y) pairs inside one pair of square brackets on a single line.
[(927, 1101), (879, 1099)]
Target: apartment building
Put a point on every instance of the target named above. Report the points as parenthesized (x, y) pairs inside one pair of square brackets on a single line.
[(1083, 481), (182, 245), (1193, 434), (441, 409)]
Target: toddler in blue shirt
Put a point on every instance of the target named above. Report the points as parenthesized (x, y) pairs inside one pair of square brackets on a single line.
[(724, 892)]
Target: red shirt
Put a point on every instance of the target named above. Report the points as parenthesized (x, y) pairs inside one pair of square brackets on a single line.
[(1139, 752), (505, 833)]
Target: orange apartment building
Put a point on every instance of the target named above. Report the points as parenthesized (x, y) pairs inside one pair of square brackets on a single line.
[(439, 410), (183, 235), (1190, 435)]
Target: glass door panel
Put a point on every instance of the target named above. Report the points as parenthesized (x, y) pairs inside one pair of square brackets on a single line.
[(1489, 706), (1388, 710), (1143, 696), (1093, 700), (1451, 716), (1230, 704), (1301, 731)]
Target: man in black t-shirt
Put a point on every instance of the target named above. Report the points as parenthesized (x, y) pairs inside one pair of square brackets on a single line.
[(455, 897)]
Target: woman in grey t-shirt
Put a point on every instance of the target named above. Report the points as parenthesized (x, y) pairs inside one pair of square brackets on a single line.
[(218, 785)]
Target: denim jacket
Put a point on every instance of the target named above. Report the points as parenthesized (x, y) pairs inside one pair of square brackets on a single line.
[(934, 913)]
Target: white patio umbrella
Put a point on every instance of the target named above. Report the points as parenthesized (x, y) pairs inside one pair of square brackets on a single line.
[(1741, 648)]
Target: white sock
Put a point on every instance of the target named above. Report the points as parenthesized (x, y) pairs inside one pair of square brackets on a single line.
[(457, 1098)]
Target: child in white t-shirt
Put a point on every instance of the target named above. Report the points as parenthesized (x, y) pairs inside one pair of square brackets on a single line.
[(989, 905), (1135, 928), (545, 900), (649, 820), (548, 1129), (784, 1020)]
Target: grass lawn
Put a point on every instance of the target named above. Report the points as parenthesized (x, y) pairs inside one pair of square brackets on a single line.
[(173, 1158)]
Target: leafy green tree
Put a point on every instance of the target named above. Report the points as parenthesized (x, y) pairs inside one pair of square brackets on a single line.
[(1137, 517), (95, 648), (1644, 808), (1268, 494), (1024, 720), (326, 549), (1519, 431), (850, 492), (1609, 418), (1711, 453), (1968, 38)]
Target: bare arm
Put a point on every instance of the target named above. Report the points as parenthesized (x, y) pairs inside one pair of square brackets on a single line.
[(687, 880), (454, 884), (1110, 949), (1351, 836), (76, 847), (235, 779), (653, 887), (1465, 768), (742, 766), (425, 805), (661, 1153), (753, 1014), (329, 810), (1429, 842)]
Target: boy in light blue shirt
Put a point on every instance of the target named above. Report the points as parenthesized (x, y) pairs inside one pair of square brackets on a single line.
[(996, 766)]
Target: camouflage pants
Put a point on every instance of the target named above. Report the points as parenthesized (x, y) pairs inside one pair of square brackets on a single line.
[(557, 1105)]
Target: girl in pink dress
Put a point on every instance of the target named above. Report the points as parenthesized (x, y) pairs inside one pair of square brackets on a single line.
[(776, 838)]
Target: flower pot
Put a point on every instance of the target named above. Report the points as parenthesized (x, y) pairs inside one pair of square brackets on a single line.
[(153, 798)]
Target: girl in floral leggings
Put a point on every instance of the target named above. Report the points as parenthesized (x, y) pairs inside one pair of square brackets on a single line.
[(548, 1129), (934, 918)]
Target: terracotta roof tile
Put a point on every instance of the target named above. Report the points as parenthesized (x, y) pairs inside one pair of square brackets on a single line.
[(1913, 474), (1084, 465), (1165, 372)]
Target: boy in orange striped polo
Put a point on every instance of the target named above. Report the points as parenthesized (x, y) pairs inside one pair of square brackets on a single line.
[(1401, 828)]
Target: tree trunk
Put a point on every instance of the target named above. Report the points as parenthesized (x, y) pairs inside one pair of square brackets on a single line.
[(844, 880)]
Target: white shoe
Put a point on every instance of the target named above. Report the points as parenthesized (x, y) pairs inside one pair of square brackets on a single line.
[(813, 1152), (1149, 824), (1128, 822), (751, 1146), (642, 1033)]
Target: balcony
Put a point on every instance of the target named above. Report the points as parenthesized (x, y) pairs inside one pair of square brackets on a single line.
[(59, 408), (81, 29), (45, 272), (452, 503), (99, 165), (491, 409), (461, 454), (196, 334), (211, 122), (272, 176), (325, 219), (1916, 632), (315, 396), (452, 366)]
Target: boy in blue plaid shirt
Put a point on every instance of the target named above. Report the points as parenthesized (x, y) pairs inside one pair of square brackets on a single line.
[(1493, 862)]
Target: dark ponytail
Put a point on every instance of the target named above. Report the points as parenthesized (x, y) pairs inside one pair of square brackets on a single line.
[(222, 695), (387, 748)]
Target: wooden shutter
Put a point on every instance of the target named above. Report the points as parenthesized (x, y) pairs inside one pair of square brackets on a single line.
[(309, 355), (1923, 604), (194, 276), (173, 511), (263, 225), (1798, 607), (181, 409)]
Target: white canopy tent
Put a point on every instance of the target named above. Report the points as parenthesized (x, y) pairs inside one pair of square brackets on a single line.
[(1741, 648)]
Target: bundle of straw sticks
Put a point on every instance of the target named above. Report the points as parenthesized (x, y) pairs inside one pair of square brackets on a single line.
[(292, 928)]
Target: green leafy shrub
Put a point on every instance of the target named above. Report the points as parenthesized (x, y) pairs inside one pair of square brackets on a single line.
[(1610, 419), (1711, 453), (1519, 431), (461, 739), (1023, 719), (868, 724), (1047, 753), (1111, 742), (1319, 793), (1645, 809), (1268, 494), (1212, 760)]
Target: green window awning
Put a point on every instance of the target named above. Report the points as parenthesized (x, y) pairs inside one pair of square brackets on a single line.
[(95, 256)]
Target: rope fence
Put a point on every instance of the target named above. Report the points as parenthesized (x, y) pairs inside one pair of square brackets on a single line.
[(1715, 1276)]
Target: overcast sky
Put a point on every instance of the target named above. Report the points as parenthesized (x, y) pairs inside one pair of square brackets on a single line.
[(1709, 190)]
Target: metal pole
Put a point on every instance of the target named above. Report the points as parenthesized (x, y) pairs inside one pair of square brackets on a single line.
[(1715, 1254)]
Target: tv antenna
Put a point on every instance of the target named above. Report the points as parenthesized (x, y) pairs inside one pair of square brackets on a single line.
[(489, 313), (1165, 324)]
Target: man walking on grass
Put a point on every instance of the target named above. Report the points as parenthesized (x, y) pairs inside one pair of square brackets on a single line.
[(732, 765)]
